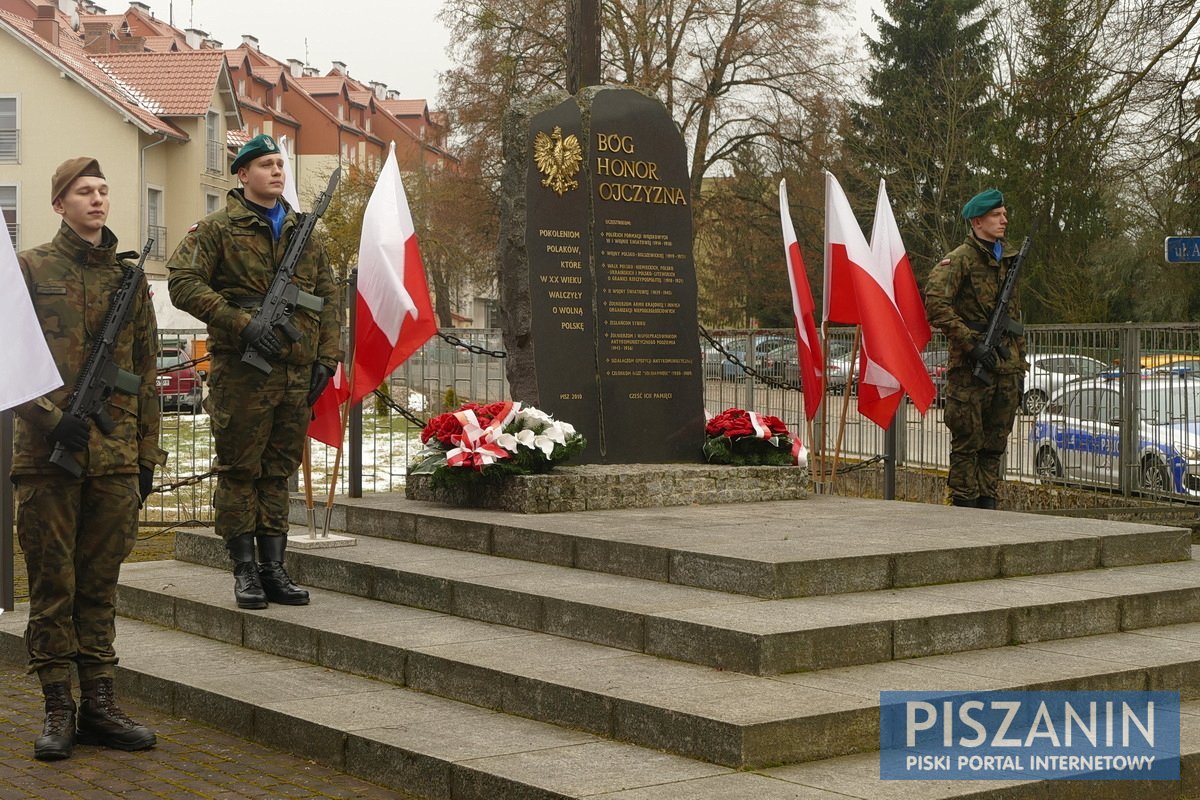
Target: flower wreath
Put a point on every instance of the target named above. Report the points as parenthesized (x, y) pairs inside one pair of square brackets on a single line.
[(477, 443), (746, 438)]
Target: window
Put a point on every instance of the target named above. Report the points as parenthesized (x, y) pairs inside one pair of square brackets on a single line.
[(9, 130), (155, 223), (8, 208), (241, 86), (212, 138), (212, 202)]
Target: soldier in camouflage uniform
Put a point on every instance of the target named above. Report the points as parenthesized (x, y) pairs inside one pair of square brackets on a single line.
[(75, 532), (960, 295), (219, 274)]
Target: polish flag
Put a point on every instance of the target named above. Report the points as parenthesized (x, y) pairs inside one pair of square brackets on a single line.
[(891, 255), (326, 423), (808, 346), (890, 363), (289, 180), (394, 313), (27, 369)]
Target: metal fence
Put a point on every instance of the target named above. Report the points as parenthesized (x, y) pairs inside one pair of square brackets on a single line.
[(1113, 409)]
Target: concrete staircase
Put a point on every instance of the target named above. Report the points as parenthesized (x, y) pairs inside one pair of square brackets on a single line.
[(692, 652)]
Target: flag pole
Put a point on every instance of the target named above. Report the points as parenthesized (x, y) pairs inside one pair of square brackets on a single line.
[(823, 412), (344, 415), (308, 488), (837, 448)]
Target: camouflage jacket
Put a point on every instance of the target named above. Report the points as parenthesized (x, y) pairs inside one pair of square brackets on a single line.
[(230, 255), (960, 297), (71, 283)]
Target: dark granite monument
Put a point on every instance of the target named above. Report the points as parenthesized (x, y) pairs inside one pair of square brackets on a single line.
[(598, 281)]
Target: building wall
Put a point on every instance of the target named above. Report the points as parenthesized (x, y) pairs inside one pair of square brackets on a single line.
[(60, 119)]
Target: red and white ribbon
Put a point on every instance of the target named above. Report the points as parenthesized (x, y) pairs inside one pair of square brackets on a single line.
[(761, 430), (475, 447)]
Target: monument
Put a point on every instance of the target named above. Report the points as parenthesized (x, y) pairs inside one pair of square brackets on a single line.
[(598, 279)]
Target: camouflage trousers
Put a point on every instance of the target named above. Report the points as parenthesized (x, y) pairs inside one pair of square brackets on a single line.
[(980, 419), (259, 423), (74, 533)]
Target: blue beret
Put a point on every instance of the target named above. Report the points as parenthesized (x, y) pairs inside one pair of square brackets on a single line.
[(982, 203), (261, 145)]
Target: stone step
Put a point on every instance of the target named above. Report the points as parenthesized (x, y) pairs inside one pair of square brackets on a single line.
[(736, 632), (818, 546), (446, 750), (732, 719)]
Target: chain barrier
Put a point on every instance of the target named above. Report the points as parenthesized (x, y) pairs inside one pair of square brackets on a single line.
[(183, 365), (399, 409), (746, 368), (474, 348)]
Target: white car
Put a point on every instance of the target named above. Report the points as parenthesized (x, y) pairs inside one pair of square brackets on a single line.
[(1050, 372)]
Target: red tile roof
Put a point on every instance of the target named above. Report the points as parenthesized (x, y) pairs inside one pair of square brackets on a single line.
[(406, 108), (317, 85), (70, 57), (176, 84)]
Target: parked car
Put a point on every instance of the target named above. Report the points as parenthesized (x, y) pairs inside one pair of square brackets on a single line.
[(935, 365), (180, 384), (783, 363), (751, 353), (1077, 435), (1050, 372)]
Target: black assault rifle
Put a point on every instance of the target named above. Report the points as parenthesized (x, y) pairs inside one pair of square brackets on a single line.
[(284, 297), (1001, 324), (101, 376)]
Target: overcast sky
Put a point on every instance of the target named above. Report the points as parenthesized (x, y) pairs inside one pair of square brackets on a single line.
[(400, 43)]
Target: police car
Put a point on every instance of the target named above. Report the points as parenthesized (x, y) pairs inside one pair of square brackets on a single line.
[(1077, 436)]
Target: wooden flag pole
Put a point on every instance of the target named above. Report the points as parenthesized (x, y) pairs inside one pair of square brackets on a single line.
[(308, 488), (837, 448), (344, 414)]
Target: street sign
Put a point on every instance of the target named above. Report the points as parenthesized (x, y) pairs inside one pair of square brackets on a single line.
[(1182, 249)]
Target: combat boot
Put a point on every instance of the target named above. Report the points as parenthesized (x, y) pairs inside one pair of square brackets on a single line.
[(58, 731), (965, 502), (247, 588), (102, 722), (275, 580), (986, 502)]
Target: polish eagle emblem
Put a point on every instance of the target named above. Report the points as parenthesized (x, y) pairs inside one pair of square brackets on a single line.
[(558, 159)]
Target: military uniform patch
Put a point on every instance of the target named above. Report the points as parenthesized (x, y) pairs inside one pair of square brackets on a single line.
[(195, 225)]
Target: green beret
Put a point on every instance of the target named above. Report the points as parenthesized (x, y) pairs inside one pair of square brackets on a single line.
[(261, 145), (982, 203)]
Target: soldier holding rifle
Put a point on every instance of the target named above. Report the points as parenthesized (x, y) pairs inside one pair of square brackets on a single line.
[(77, 517), (970, 297), (265, 374)]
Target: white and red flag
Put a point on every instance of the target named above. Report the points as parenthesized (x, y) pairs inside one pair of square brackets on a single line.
[(326, 423), (891, 255), (289, 179), (394, 314), (27, 369), (891, 362), (808, 346)]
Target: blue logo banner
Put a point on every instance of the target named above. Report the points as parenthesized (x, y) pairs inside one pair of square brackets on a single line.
[(1029, 735)]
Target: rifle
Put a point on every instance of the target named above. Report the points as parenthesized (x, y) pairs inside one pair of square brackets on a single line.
[(284, 297), (101, 375), (1001, 324)]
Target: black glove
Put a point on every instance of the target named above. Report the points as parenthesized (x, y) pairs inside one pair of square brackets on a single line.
[(71, 432), (258, 334), (145, 482), (320, 376), (985, 357)]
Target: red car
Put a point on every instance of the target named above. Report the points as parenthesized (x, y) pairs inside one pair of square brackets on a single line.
[(180, 384)]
